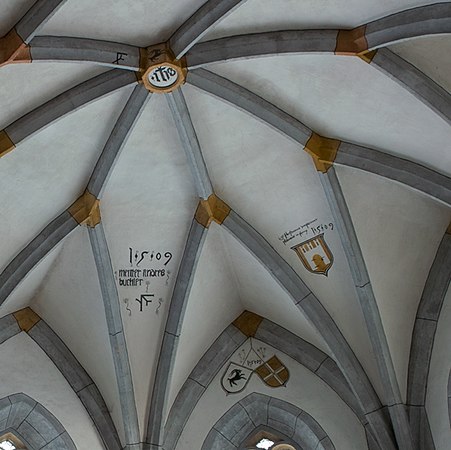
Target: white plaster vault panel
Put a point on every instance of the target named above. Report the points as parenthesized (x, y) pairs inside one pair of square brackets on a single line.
[(294, 14), (139, 22), (71, 303), (24, 87), (303, 389), (151, 197), (262, 294), (214, 303), (437, 395), (12, 11), (271, 182), (29, 287), (429, 54), (344, 98), (399, 231), (45, 174), (26, 368)]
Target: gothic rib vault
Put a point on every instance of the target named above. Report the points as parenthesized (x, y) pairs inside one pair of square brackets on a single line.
[(167, 173)]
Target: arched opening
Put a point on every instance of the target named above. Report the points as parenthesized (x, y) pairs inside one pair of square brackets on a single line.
[(35, 425), (10, 441), (267, 438), (258, 416)]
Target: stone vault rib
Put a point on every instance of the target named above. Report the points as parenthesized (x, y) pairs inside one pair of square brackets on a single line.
[(163, 378), (116, 333), (208, 15), (14, 46), (61, 105), (190, 143), (318, 316), (414, 175), (428, 315), (360, 41)]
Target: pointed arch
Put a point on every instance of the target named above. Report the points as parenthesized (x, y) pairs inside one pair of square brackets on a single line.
[(36, 426), (26, 320), (225, 346), (256, 410)]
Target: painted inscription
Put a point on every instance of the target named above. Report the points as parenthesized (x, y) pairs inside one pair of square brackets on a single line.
[(163, 76), (311, 228), (146, 281), (119, 57)]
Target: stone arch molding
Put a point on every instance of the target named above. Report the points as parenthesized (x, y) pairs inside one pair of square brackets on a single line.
[(33, 424), (257, 410)]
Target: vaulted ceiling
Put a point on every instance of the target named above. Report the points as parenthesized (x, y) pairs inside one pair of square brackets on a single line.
[(186, 182)]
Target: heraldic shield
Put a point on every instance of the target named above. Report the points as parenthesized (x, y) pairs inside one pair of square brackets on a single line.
[(315, 255), (235, 378), (273, 372)]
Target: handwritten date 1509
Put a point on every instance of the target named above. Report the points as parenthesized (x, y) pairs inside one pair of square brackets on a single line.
[(321, 228), (137, 257)]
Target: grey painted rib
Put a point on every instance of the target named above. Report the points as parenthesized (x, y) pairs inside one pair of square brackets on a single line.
[(421, 21), (79, 381), (256, 410), (414, 175), (168, 351), (200, 378), (312, 309), (116, 332), (270, 43), (428, 314), (8, 328), (67, 102), (251, 103), (118, 137), (415, 81), (36, 426), (208, 15), (223, 348), (312, 358), (190, 143), (72, 49), (36, 17), (449, 397), (368, 304), (45, 241)]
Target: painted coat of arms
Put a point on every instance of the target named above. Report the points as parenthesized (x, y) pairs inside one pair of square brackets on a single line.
[(315, 255), (235, 378), (270, 370)]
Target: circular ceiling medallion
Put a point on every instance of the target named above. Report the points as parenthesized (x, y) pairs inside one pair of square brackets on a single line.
[(283, 447), (163, 76), (160, 71)]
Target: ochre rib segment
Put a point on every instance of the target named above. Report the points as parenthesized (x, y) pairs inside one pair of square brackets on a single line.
[(211, 209), (26, 319), (368, 56), (13, 49), (323, 151), (86, 210), (351, 42), (248, 323), (6, 144)]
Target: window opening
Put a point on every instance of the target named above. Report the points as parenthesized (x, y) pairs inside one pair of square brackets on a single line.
[(7, 445), (265, 444)]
